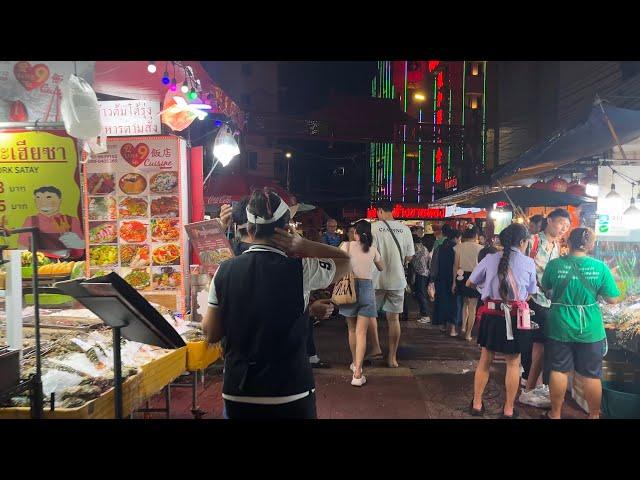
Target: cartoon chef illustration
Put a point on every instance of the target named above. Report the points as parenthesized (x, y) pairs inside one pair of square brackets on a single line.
[(60, 235)]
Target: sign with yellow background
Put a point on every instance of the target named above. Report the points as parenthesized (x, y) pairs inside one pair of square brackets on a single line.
[(39, 186)]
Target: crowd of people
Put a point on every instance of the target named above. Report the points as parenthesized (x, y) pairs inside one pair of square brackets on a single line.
[(514, 294)]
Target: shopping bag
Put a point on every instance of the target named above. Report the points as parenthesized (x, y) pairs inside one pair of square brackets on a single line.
[(344, 292)]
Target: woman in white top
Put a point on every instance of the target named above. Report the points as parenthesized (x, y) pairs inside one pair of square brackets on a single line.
[(363, 256), (465, 262)]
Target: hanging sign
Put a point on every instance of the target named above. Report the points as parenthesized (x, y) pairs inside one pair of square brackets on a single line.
[(30, 90), (130, 117), (39, 187), (611, 222)]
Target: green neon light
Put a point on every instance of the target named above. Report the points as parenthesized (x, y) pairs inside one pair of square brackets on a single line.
[(484, 112), (419, 158), (406, 67), (391, 173)]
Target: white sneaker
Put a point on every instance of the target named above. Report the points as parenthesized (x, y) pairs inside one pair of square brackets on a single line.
[(543, 392), (533, 399), (424, 320), (358, 382), (352, 367)]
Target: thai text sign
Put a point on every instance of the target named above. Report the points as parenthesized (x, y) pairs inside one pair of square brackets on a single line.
[(39, 187), (130, 117)]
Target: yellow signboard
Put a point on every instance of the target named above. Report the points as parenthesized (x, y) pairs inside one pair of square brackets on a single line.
[(39, 186)]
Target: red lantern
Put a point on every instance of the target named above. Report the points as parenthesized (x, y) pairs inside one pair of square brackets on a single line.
[(558, 185), (577, 189), (540, 185)]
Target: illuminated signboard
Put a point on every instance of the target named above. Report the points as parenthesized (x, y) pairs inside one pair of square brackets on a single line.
[(451, 183), (400, 211)]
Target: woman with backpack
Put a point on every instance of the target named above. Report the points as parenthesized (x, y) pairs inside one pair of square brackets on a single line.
[(576, 339)]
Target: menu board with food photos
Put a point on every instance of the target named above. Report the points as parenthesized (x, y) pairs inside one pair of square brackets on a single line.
[(136, 205)]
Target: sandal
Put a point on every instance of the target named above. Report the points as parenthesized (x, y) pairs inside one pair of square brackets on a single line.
[(510, 417), (474, 412)]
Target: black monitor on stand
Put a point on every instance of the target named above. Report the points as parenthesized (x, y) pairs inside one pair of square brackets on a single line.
[(129, 315)]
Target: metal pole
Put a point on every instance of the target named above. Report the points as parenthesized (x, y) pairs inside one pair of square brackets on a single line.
[(288, 174), (37, 381), (610, 125), (117, 372)]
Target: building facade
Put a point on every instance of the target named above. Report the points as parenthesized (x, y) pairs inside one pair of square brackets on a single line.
[(255, 86), (444, 148)]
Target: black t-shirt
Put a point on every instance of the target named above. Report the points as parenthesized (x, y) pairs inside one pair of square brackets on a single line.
[(240, 247)]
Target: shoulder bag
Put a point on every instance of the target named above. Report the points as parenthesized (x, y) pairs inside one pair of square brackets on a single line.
[(344, 291)]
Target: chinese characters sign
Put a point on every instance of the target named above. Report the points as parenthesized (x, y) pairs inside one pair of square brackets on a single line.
[(30, 90), (135, 210), (130, 117), (39, 187)]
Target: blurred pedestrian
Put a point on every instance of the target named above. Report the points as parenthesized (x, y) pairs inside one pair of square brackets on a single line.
[(466, 261), (420, 263), (330, 237)]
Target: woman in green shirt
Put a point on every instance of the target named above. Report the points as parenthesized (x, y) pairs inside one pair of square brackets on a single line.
[(575, 331)]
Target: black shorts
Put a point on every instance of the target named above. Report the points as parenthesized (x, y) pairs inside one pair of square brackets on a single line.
[(583, 358), (537, 335)]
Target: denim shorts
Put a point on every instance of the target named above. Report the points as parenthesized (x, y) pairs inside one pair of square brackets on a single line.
[(366, 304)]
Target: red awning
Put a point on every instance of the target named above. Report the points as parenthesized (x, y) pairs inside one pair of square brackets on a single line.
[(222, 189), (130, 79)]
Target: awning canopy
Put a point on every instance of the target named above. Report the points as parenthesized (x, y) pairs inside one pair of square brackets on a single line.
[(587, 139), (221, 189), (130, 79), (531, 197)]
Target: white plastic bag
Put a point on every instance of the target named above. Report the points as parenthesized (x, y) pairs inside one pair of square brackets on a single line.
[(80, 109)]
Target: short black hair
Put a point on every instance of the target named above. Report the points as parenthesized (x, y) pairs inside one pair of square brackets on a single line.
[(453, 233), (385, 205), (559, 212), (536, 219), (48, 189), (470, 232)]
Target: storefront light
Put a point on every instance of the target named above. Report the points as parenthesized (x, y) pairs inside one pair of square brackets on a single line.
[(151, 68), (185, 87), (592, 189), (225, 146)]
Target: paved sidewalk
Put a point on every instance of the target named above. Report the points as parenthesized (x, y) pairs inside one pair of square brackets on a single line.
[(434, 381)]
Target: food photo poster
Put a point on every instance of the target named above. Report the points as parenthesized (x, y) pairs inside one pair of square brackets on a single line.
[(135, 212)]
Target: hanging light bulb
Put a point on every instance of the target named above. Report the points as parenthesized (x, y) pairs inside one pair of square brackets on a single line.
[(151, 68), (185, 87), (174, 84), (225, 146), (192, 94), (632, 214), (613, 195), (165, 78)]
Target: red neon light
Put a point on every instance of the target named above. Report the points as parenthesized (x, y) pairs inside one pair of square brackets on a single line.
[(438, 173), (440, 117), (433, 64), (440, 80), (451, 183), (439, 155), (439, 98), (410, 212)]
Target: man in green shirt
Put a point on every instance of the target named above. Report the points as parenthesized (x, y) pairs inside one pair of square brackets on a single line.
[(576, 339)]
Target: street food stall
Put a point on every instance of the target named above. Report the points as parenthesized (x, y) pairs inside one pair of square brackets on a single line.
[(118, 208)]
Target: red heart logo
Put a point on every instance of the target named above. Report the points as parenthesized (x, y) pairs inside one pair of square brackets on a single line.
[(134, 156), (31, 77)]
